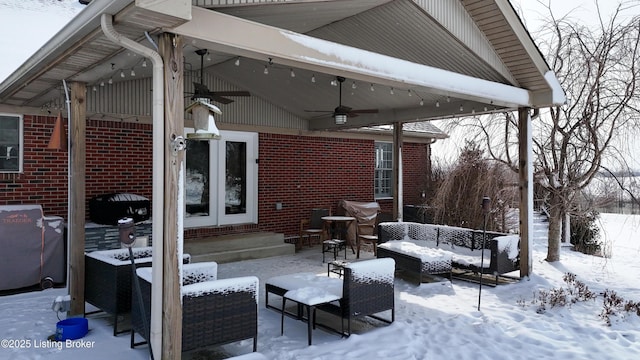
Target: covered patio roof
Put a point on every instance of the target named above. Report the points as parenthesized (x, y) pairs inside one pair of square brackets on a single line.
[(411, 60)]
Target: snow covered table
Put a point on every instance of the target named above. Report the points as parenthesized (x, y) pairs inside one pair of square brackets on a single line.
[(366, 289), (310, 298), (107, 279)]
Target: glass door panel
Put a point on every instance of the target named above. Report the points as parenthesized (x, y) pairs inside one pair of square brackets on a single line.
[(236, 178), (197, 182)]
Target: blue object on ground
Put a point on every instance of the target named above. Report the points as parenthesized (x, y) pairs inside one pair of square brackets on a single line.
[(71, 329)]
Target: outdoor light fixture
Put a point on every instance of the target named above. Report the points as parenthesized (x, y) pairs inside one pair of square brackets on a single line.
[(58, 140), (340, 119), (203, 120)]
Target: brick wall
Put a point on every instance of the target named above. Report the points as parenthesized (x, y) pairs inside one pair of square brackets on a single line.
[(301, 172), (118, 159)]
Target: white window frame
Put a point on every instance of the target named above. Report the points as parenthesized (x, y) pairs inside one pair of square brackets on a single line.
[(377, 167), (21, 145), (217, 159)]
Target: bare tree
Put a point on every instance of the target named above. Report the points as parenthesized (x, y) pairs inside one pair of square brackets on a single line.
[(598, 69)]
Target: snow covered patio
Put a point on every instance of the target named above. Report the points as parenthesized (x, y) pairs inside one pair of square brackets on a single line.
[(433, 321)]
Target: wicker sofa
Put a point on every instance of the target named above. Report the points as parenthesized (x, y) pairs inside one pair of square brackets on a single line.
[(501, 254), (365, 289), (107, 279), (214, 311)]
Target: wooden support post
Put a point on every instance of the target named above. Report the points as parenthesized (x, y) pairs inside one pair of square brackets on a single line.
[(526, 190), (397, 171), (171, 52), (76, 181)]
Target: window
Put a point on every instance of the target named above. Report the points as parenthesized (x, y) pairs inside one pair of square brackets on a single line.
[(383, 179), (11, 145), (221, 183)]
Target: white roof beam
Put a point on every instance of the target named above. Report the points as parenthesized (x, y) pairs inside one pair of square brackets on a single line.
[(239, 37)]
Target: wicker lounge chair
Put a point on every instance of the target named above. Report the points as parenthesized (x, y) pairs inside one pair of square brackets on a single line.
[(214, 312)]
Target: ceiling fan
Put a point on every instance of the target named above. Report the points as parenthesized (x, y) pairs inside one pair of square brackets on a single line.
[(342, 112), (201, 90)]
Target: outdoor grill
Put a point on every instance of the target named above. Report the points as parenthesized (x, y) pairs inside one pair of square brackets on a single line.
[(107, 209)]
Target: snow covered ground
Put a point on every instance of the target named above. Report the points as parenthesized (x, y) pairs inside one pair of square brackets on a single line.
[(437, 320)]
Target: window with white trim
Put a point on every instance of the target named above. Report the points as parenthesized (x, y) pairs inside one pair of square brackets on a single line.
[(221, 180), (11, 143), (383, 179)]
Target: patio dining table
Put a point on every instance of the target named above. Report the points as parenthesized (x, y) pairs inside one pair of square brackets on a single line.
[(337, 227)]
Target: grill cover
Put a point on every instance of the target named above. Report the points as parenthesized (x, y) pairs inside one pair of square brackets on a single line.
[(33, 247), (107, 209), (364, 212)]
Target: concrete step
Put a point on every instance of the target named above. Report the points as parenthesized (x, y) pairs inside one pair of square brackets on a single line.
[(246, 254), (237, 247)]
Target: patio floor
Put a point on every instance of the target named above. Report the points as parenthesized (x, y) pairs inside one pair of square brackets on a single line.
[(305, 260)]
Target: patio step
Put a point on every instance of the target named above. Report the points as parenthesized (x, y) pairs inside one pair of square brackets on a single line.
[(237, 247)]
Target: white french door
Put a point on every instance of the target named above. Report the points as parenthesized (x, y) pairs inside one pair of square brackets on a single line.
[(221, 184)]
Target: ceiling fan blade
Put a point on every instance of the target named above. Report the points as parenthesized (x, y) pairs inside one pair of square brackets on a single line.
[(220, 99), (365, 111), (322, 111), (232, 93)]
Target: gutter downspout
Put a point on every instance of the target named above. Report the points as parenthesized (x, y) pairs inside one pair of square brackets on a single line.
[(158, 170)]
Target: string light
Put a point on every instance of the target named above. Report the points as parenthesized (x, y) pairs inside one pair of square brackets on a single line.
[(353, 85), (409, 92), (461, 108), (372, 88), (448, 99), (121, 73), (334, 82), (391, 91), (421, 102), (293, 74), (266, 70), (437, 104), (133, 72), (237, 62), (101, 83), (95, 88), (144, 62), (110, 80), (313, 78)]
